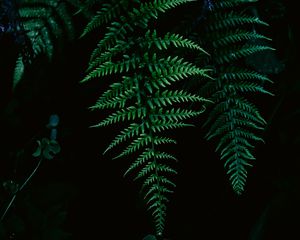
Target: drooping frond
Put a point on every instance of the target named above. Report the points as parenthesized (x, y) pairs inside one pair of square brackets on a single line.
[(140, 96), (234, 121)]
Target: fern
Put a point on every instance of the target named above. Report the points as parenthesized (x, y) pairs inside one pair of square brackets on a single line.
[(142, 97), (48, 24), (233, 120), (18, 72)]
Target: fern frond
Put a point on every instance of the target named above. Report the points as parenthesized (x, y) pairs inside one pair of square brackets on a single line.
[(147, 155), (131, 131), (115, 102), (237, 133), (130, 113), (40, 37), (47, 24), (109, 67), (232, 37), (239, 52), (174, 114), (120, 47), (154, 178), (232, 19), (234, 121), (169, 97), (53, 14), (116, 32), (169, 39), (225, 104), (230, 122), (116, 89), (167, 70), (18, 72), (232, 74), (108, 12), (159, 126), (130, 48), (244, 87), (142, 141), (153, 166), (163, 140)]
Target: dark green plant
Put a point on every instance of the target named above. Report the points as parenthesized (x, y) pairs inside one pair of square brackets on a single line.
[(228, 29), (230, 37), (145, 66), (143, 94), (48, 25)]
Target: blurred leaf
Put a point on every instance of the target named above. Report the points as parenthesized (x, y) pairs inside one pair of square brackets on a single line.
[(38, 151), (149, 237), (18, 72), (47, 148), (51, 149)]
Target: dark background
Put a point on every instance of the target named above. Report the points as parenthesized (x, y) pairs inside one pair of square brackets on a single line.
[(94, 201)]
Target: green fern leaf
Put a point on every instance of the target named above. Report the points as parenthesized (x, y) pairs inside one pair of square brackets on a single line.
[(232, 37), (48, 24), (147, 155), (174, 114), (133, 130), (18, 72), (129, 47), (108, 12), (231, 19), (234, 120), (142, 141), (109, 67), (130, 113), (239, 52), (242, 74)]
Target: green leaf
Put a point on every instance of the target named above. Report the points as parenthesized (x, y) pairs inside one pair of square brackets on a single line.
[(149, 237), (38, 151), (234, 121)]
